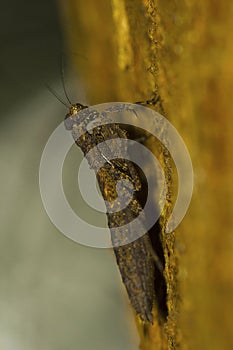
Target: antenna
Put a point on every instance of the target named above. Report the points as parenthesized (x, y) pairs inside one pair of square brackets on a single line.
[(54, 93), (63, 80)]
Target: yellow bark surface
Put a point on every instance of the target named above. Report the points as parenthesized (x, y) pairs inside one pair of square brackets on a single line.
[(183, 51)]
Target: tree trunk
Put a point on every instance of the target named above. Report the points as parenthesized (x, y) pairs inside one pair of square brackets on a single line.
[(183, 52)]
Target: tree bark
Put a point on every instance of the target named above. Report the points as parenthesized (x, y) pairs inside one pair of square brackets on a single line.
[(183, 52)]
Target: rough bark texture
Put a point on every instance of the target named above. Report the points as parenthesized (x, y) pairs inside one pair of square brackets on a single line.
[(183, 51)]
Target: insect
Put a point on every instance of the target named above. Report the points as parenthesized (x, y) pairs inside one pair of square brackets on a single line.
[(136, 259)]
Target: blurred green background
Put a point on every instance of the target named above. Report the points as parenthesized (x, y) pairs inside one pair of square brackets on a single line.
[(54, 294)]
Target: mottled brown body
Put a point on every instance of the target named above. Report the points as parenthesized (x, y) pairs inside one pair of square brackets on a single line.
[(134, 258)]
